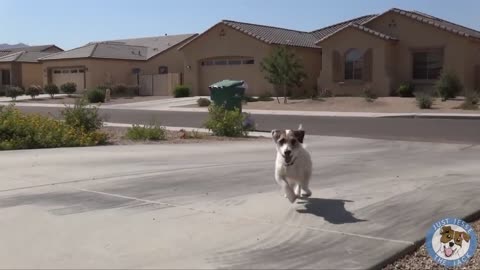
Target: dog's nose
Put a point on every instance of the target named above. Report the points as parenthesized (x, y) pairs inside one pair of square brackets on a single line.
[(287, 152), (451, 244)]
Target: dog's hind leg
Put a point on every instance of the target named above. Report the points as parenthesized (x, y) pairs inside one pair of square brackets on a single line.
[(305, 190)]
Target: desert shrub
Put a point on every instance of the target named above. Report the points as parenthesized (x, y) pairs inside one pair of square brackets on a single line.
[(28, 131), (80, 116), (119, 90), (406, 90), (449, 85), (69, 88), (33, 91), (224, 122), (203, 102), (51, 89), (181, 91), (424, 101), (325, 93), (13, 92), (369, 95), (471, 101), (151, 132), (96, 95)]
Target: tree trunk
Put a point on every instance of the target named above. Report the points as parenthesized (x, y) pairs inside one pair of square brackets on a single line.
[(285, 93)]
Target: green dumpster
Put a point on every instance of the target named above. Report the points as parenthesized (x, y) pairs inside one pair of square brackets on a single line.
[(228, 93)]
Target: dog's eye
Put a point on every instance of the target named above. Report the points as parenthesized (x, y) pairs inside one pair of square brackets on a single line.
[(293, 142), (449, 236), (282, 141)]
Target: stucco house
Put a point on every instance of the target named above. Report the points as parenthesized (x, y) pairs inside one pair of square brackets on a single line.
[(115, 62), (378, 51), (21, 67)]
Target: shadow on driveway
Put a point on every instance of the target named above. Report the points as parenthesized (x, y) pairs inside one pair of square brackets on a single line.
[(332, 211)]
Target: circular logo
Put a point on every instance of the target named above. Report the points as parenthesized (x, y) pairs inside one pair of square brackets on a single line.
[(451, 242)]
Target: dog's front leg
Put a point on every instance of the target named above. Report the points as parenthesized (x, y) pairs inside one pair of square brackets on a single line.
[(282, 182)]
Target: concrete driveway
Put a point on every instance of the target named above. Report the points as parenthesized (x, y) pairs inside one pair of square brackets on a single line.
[(217, 206)]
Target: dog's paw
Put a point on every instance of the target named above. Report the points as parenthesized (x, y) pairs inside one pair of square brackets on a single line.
[(306, 194)]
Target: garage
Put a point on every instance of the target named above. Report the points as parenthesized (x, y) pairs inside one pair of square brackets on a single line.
[(64, 75), (227, 68)]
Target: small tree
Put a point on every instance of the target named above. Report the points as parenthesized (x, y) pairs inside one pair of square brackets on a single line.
[(13, 92), (69, 88), (283, 70), (51, 89), (33, 91)]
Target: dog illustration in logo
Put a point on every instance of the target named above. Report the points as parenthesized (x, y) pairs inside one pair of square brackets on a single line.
[(451, 242)]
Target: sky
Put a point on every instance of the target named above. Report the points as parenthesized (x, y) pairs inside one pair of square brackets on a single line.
[(69, 24)]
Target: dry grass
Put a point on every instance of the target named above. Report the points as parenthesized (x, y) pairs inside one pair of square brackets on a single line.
[(358, 104), (421, 260), (117, 137)]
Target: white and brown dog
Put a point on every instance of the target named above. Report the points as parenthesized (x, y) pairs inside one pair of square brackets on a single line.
[(451, 243), (293, 167)]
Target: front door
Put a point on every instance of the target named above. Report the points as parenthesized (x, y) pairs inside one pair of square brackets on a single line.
[(5, 77)]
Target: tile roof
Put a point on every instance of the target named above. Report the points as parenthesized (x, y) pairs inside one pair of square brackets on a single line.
[(40, 48), (23, 57), (323, 32), (439, 23), (274, 35), (125, 49), (361, 28)]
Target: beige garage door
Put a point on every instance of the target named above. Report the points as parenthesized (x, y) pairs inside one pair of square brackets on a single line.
[(218, 69), (65, 75)]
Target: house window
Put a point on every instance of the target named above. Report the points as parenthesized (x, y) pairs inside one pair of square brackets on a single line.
[(81, 71), (427, 65), (220, 62), (57, 71), (353, 65), (74, 71), (65, 71), (162, 70), (234, 62), (248, 62)]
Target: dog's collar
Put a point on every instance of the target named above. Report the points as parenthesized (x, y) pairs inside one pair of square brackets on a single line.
[(290, 163)]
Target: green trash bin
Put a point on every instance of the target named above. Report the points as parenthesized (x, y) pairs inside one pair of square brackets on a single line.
[(228, 93)]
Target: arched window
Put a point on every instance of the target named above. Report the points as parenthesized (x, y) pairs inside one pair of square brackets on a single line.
[(353, 64)]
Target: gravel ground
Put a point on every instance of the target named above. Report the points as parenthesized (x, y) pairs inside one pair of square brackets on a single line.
[(358, 104), (117, 137), (421, 260), (71, 100)]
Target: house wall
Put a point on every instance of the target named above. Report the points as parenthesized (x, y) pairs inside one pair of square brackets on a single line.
[(460, 54), (381, 69), (5, 66), (172, 58), (223, 41), (311, 60), (98, 71), (31, 74)]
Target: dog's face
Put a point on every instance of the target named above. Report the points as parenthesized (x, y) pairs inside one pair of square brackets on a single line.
[(452, 240), (288, 143)]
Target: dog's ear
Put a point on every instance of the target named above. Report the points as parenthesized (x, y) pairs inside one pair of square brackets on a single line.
[(445, 229), (465, 236), (276, 134), (299, 134)]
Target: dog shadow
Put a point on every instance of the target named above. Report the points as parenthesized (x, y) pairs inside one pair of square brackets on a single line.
[(333, 211)]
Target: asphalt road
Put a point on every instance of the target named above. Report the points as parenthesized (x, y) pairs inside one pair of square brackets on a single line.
[(434, 130), (216, 206)]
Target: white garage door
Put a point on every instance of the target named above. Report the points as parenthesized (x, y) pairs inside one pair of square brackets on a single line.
[(218, 69), (65, 75)]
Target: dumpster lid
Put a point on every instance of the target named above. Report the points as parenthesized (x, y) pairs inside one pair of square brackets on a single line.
[(227, 83)]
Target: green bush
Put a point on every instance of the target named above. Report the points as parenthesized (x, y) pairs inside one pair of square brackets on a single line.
[(69, 88), (13, 92), (152, 132), (96, 95), (471, 101), (181, 91), (203, 102), (51, 89), (369, 95), (424, 101), (80, 116), (33, 91), (225, 122), (29, 131), (2, 90), (449, 85), (406, 90)]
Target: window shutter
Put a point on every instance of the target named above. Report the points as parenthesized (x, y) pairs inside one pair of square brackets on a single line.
[(367, 65), (336, 66)]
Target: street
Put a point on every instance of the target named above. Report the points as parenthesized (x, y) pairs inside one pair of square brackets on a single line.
[(434, 130)]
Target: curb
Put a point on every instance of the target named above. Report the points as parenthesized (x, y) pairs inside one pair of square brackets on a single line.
[(203, 130), (436, 116)]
